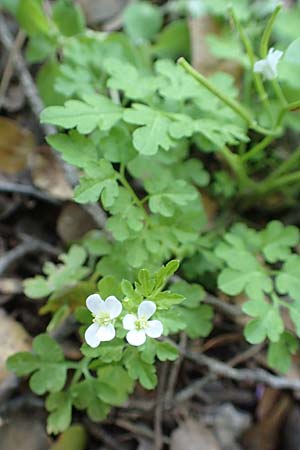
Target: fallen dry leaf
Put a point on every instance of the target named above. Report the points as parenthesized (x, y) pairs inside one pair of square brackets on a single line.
[(14, 338), (193, 435), (16, 143), (291, 430), (48, 175), (202, 58), (101, 10), (265, 435), (22, 429), (73, 223)]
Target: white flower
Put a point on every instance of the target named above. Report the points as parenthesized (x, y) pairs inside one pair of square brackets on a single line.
[(104, 313), (139, 326), (268, 66)]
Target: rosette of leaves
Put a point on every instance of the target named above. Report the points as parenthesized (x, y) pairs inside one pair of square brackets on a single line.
[(265, 267)]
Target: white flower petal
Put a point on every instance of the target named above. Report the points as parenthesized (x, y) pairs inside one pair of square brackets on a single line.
[(146, 309), (106, 333), (268, 66), (91, 335), (114, 306), (136, 337), (95, 303), (260, 66), (129, 322), (154, 328)]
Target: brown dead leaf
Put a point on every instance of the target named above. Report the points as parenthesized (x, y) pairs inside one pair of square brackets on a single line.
[(291, 430), (202, 58), (13, 338), (10, 286), (73, 223), (265, 435), (23, 429), (48, 175), (16, 143), (193, 435), (101, 10)]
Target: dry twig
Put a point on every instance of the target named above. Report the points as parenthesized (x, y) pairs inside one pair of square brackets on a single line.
[(29, 245), (248, 375), (26, 189)]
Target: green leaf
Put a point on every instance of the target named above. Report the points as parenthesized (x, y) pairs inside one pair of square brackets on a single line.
[(68, 17), (154, 133), (22, 363), (37, 287), (163, 350), (280, 353), (278, 240), (109, 285), (96, 243), (142, 21), (135, 85), (198, 321), (60, 406), (47, 349), (112, 375), (100, 179), (175, 83), (31, 17), (268, 323), (193, 293), (244, 273), (166, 299), (127, 218), (116, 144), (140, 370), (45, 81), (107, 352), (166, 351), (50, 377), (74, 438), (40, 47), (95, 111), (172, 320), (288, 280), (70, 146), (58, 318), (294, 311), (173, 41), (165, 197)]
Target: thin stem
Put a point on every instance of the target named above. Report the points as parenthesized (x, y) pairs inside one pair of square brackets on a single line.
[(234, 105), (257, 148), (293, 105), (271, 184), (264, 44), (285, 166), (279, 93), (132, 193), (236, 165), (251, 55)]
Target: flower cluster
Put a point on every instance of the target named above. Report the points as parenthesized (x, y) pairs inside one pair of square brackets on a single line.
[(106, 311)]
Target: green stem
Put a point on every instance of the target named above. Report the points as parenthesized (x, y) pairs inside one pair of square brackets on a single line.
[(264, 45), (251, 55), (293, 105), (257, 148), (137, 201), (234, 105), (272, 184), (280, 94), (285, 166), (236, 165)]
